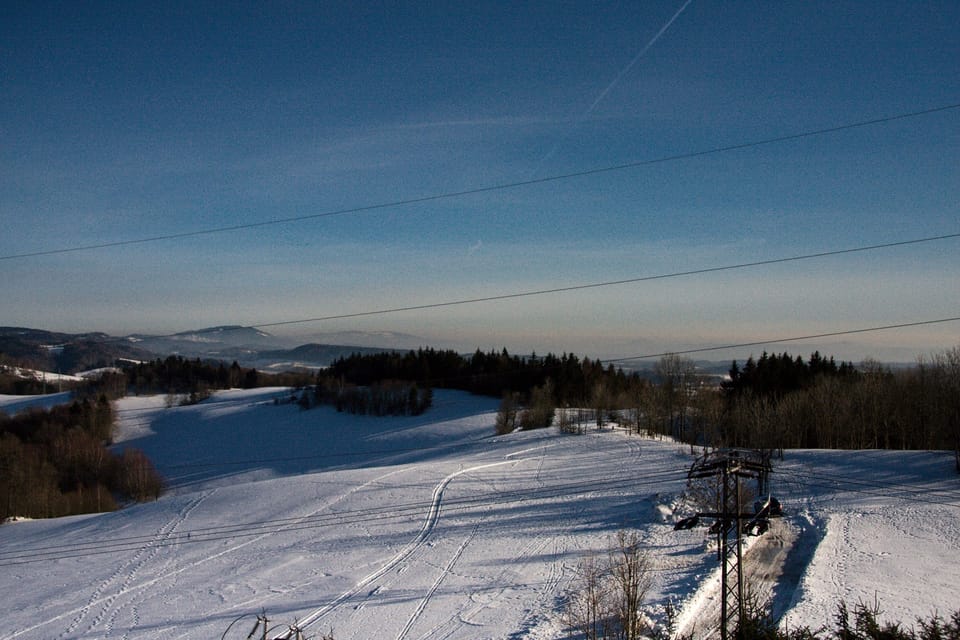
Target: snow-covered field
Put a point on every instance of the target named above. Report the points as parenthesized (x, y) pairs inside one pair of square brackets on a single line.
[(14, 404), (431, 527)]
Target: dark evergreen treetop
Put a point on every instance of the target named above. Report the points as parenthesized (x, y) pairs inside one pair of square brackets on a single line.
[(774, 376), (491, 373)]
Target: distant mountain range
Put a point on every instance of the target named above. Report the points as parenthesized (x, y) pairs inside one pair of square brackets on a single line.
[(251, 347), (209, 342)]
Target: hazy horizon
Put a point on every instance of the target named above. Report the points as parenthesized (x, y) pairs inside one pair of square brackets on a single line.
[(626, 353)]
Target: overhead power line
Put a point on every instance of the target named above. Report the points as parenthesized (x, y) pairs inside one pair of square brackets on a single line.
[(813, 336), (676, 274), (945, 497), (321, 520), (608, 283), (913, 493), (491, 188)]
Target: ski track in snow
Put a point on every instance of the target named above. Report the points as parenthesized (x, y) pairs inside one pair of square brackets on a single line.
[(458, 620), (462, 616), (473, 605), (128, 571), (168, 554), (436, 585), (97, 600), (429, 523), (170, 559), (261, 599)]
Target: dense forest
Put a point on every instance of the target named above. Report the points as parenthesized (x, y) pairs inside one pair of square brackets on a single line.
[(382, 398), (774, 376), (56, 462), (181, 375), (492, 374), (774, 404)]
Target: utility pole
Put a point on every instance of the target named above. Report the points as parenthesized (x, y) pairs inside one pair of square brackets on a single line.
[(729, 466)]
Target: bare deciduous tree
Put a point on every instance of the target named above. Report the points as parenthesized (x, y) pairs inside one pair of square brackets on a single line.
[(588, 606), (630, 569), (507, 414), (677, 377), (606, 600)]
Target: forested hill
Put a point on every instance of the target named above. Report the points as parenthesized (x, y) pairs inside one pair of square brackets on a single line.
[(66, 353)]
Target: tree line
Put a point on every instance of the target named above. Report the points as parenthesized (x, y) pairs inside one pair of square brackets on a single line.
[(491, 373), (845, 407), (56, 462), (187, 375), (775, 401), (182, 375), (383, 398), (773, 375), (781, 401), (531, 387)]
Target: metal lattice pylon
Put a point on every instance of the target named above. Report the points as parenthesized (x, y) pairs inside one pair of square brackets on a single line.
[(729, 466)]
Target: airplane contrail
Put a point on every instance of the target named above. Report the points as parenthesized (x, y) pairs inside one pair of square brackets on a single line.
[(636, 59), (613, 83)]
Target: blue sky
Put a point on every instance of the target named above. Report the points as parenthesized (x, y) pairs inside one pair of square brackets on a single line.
[(124, 121)]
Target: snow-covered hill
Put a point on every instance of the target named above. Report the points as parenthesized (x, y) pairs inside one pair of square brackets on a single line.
[(11, 404), (431, 527)]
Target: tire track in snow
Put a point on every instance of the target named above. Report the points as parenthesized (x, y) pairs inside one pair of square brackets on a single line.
[(763, 564), (429, 524)]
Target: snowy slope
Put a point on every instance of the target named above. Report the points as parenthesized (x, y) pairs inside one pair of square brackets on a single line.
[(888, 528), (431, 527), (11, 405)]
